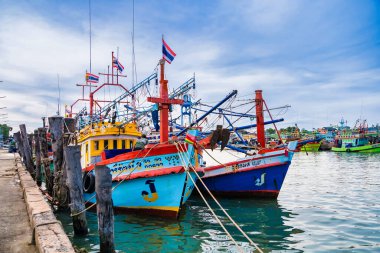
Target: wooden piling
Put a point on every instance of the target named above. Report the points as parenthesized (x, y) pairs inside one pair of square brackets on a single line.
[(27, 150), (45, 160), (74, 183), (103, 188), (37, 151), (68, 136), (20, 146), (60, 193)]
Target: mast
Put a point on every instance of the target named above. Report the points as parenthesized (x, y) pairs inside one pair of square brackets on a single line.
[(260, 118), (164, 102)]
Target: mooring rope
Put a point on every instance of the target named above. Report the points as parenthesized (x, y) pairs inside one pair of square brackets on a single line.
[(208, 205), (216, 201)]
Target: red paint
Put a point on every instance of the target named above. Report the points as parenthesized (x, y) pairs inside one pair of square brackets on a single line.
[(260, 118), (248, 194), (164, 103), (150, 150), (248, 169), (237, 162)]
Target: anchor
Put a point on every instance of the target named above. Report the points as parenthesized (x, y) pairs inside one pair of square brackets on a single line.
[(220, 135)]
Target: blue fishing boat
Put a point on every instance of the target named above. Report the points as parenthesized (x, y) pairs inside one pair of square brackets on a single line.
[(259, 174), (153, 180)]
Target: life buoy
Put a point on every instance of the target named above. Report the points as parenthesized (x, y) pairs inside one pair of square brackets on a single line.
[(89, 183)]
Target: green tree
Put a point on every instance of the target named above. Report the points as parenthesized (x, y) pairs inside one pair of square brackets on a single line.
[(4, 130)]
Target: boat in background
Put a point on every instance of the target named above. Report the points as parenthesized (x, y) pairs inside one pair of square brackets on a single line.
[(260, 174), (311, 146), (356, 140)]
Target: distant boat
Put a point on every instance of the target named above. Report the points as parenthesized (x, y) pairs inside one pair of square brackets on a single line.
[(356, 141), (311, 146)]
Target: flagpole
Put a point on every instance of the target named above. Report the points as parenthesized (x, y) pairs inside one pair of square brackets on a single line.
[(112, 66), (117, 72), (89, 14)]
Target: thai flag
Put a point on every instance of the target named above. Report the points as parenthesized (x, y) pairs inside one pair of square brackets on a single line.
[(91, 78), (167, 53), (117, 64)]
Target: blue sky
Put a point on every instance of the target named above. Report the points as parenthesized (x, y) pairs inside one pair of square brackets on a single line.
[(320, 57)]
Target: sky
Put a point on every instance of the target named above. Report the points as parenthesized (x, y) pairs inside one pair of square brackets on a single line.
[(321, 57)]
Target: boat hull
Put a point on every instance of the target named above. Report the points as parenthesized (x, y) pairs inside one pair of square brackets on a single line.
[(311, 147), (264, 182), (260, 176), (374, 148), (158, 196)]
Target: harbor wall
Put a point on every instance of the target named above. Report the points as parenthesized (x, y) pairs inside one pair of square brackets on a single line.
[(48, 233)]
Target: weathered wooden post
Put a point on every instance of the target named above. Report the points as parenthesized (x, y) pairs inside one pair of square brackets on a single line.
[(20, 146), (69, 130), (74, 183), (103, 188), (27, 150), (45, 160), (59, 189), (30, 141), (68, 134), (37, 151)]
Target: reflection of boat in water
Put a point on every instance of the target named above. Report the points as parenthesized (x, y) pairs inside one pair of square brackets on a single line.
[(265, 218)]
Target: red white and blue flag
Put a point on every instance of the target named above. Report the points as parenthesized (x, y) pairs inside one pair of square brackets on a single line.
[(117, 64), (167, 53), (91, 78)]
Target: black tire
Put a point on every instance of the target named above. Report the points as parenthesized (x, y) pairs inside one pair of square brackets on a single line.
[(89, 182), (348, 150)]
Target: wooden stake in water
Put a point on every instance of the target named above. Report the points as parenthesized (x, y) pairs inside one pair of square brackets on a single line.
[(74, 183), (37, 151), (59, 188), (27, 150), (103, 188), (45, 159), (20, 146)]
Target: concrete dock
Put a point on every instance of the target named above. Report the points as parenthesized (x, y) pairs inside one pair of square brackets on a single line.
[(27, 223)]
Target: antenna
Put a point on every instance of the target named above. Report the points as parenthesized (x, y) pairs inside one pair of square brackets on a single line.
[(89, 14), (59, 96)]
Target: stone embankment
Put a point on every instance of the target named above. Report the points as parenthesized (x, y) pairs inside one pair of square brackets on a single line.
[(27, 220)]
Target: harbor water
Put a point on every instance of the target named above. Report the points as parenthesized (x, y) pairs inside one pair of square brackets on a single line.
[(329, 203)]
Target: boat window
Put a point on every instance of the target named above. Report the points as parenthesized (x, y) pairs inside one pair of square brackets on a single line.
[(123, 144), (105, 144), (130, 144), (86, 147), (96, 145), (114, 144)]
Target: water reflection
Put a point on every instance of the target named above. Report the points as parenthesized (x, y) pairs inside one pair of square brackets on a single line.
[(263, 220), (196, 230)]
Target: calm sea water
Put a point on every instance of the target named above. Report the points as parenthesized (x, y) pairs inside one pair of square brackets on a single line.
[(329, 203)]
